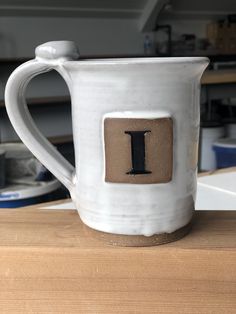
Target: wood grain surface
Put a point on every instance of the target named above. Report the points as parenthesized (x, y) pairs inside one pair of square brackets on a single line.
[(50, 264)]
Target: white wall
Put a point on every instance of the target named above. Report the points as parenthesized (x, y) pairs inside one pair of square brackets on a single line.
[(20, 35)]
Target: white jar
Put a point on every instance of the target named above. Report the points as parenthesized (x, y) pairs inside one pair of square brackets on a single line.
[(207, 156)]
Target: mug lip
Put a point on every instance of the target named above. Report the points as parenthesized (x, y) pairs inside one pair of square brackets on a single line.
[(138, 60)]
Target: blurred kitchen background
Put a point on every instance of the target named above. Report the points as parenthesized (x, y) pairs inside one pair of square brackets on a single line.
[(113, 28)]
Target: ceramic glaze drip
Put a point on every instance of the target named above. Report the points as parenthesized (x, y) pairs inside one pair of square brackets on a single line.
[(134, 89)]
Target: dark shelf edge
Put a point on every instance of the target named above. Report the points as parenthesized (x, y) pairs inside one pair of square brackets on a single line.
[(44, 101)]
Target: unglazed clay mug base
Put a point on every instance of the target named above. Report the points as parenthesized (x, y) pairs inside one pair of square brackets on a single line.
[(138, 240), (135, 129)]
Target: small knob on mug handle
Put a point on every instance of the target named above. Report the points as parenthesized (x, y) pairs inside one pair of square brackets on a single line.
[(54, 50)]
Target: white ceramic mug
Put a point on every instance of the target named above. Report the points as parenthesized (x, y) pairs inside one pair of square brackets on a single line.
[(129, 178)]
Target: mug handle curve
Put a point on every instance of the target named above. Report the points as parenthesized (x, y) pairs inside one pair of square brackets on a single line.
[(49, 56)]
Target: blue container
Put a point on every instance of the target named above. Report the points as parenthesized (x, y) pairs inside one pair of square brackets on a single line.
[(27, 201), (225, 152), (18, 195)]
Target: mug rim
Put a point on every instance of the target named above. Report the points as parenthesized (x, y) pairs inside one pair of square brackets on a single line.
[(138, 60)]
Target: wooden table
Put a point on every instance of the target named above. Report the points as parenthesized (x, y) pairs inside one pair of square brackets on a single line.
[(50, 264)]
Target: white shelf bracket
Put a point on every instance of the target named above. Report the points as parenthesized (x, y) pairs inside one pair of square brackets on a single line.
[(147, 19)]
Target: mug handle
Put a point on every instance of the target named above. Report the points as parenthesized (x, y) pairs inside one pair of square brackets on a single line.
[(49, 56)]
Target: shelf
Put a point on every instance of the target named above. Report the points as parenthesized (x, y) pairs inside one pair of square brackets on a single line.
[(219, 77), (44, 101), (14, 60), (63, 139), (55, 140), (48, 100)]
